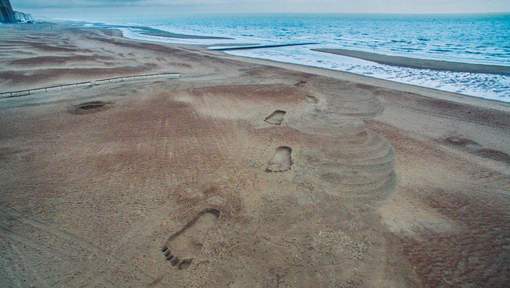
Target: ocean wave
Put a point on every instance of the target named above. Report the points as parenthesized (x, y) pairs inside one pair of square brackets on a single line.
[(494, 87)]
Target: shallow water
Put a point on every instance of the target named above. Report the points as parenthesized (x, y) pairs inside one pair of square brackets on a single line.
[(481, 39)]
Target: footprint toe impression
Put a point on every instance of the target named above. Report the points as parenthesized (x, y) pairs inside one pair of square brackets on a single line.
[(186, 244)]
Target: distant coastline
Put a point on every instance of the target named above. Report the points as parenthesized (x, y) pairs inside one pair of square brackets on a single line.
[(437, 57), (150, 31), (417, 63), (161, 33)]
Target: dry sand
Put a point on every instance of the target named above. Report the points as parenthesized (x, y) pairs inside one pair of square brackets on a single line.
[(241, 173)]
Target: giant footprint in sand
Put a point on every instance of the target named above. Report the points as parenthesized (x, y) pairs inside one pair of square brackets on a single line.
[(186, 244)]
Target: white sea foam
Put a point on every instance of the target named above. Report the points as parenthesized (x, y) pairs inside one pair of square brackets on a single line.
[(495, 87)]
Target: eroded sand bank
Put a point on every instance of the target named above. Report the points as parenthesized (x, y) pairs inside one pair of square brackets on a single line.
[(239, 174)]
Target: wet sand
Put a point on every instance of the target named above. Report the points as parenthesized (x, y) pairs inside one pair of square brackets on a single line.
[(162, 33), (420, 63), (240, 173)]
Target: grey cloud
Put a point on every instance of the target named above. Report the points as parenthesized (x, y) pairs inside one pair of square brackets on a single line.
[(376, 6), (71, 3)]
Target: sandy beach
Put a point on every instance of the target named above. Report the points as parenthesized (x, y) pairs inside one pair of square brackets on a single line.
[(239, 173)]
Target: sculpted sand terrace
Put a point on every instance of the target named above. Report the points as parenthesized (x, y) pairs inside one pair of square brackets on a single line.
[(238, 174)]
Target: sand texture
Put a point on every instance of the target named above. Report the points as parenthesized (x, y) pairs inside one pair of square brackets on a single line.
[(239, 174)]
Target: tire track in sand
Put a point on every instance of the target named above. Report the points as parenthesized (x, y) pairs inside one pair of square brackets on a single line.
[(87, 260)]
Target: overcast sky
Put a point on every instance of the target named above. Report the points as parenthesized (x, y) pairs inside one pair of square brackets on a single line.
[(73, 8)]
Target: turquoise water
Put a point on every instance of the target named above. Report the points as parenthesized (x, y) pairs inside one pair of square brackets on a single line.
[(482, 39), (475, 39)]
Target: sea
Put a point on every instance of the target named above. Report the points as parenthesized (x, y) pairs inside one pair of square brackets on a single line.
[(478, 39)]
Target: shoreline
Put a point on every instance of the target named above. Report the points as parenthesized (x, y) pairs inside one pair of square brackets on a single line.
[(417, 63), (370, 80), (337, 74), (476, 73)]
